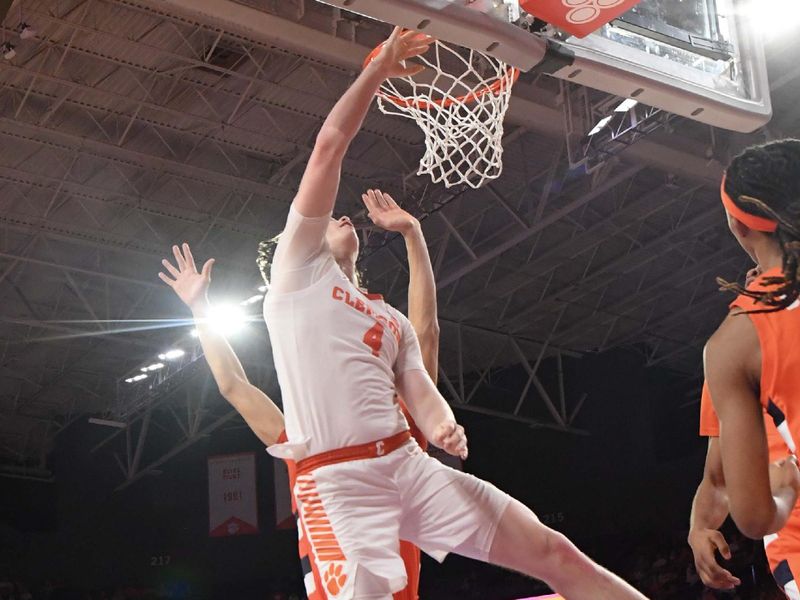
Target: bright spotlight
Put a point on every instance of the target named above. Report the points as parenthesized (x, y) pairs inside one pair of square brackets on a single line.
[(601, 125), (171, 354), (227, 319), (775, 18), (626, 105)]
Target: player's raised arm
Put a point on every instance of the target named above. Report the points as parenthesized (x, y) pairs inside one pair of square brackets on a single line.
[(414, 366), (732, 363), (302, 243), (422, 309), (320, 184), (259, 412)]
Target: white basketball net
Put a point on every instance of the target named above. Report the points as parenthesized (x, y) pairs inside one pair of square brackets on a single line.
[(460, 111)]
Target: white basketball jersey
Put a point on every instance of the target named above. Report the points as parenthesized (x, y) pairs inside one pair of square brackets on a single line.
[(337, 351)]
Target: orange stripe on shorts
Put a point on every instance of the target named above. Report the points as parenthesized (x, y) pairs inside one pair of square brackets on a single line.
[(315, 521)]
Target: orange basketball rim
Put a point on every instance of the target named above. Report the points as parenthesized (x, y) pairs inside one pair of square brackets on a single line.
[(494, 87)]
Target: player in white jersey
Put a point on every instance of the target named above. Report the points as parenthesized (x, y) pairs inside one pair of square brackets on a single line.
[(341, 354)]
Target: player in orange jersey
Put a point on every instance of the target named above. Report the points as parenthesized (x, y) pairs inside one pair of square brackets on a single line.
[(710, 506), (751, 363), (260, 412), (710, 509), (342, 355)]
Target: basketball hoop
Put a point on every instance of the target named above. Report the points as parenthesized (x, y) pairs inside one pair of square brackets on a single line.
[(460, 110)]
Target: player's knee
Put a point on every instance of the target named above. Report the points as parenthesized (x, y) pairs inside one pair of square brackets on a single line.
[(554, 555), (560, 550), (523, 543)]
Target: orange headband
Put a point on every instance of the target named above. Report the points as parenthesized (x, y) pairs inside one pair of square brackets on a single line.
[(754, 222)]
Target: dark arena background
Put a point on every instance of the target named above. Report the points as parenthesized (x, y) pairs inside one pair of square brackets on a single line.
[(575, 297)]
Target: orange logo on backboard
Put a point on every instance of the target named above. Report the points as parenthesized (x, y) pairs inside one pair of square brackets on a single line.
[(586, 11), (578, 17)]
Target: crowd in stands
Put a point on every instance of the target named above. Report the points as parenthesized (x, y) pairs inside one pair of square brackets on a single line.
[(664, 570), (661, 568)]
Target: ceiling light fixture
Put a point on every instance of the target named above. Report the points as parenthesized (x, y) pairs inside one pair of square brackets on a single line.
[(171, 354), (26, 31), (8, 50)]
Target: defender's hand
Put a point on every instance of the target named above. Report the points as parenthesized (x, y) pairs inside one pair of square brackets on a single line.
[(385, 212), (450, 437), (400, 47), (190, 285), (704, 544), (784, 474)]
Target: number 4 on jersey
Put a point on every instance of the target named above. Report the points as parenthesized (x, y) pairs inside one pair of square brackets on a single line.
[(374, 338)]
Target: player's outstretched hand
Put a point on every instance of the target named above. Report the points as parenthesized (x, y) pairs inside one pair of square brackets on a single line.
[(400, 47), (450, 437), (386, 213), (705, 543), (784, 474), (190, 285)]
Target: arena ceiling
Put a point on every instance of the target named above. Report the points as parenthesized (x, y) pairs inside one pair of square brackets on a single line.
[(126, 126)]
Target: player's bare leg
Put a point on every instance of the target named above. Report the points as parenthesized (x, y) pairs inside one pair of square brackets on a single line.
[(522, 543)]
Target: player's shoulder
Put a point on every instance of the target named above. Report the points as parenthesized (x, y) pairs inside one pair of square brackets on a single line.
[(734, 345), (734, 335)]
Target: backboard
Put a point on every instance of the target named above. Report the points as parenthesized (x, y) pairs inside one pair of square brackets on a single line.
[(485, 25), (701, 59)]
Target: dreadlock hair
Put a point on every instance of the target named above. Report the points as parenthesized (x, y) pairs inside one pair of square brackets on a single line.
[(765, 181)]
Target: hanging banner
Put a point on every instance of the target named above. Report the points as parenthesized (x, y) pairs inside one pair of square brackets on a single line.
[(232, 502)]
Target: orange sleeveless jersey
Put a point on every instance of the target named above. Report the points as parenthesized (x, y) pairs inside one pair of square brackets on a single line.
[(780, 397), (786, 545), (408, 551), (780, 362), (709, 427)]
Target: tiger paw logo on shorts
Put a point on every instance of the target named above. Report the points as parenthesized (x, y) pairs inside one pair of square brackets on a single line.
[(335, 578)]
